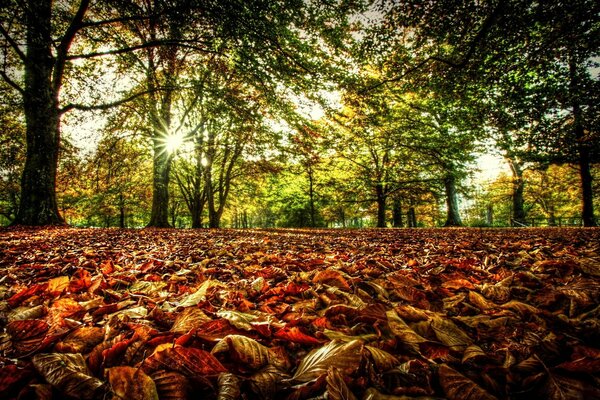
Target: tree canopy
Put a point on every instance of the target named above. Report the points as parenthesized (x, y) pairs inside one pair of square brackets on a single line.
[(297, 113)]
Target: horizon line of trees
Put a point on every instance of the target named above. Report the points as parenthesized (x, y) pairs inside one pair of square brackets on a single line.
[(423, 89)]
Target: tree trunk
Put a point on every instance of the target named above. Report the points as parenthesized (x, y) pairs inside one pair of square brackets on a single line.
[(397, 212), (121, 211), (518, 186), (38, 204), (311, 196), (160, 187), (452, 215), (587, 213), (412, 217), (489, 215), (380, 199)]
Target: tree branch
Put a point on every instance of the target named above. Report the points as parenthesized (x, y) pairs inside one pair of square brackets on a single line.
[(65, 43), (12, 83), (485, 28), (104, 106), (154, 43), (13, 43)]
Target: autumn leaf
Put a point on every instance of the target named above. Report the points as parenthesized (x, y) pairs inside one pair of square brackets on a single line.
[(458, 387), (187, 361), (190, 318), (171, 385), (68, 373), (248, 352), (449, 334), (229, 386), (337, 389), (343, 355), (130, 383)]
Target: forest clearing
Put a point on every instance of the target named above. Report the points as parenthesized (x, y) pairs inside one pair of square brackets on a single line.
[(298, 314)]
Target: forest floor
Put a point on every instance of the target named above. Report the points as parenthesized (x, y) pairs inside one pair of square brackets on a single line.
[(299, 314)]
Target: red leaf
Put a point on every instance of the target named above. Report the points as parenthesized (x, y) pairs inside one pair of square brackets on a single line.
[(295, 334), (27, 335), (185, 360), (24, 294), (331, 277), (11, 375)]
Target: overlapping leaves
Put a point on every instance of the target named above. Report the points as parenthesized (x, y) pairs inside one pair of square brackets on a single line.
[(299, 314)]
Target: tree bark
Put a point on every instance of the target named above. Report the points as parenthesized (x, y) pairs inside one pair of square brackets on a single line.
[(38, 204), (412, 217), (587, 212), (311, 197), (518, 186), (452, 215), (159, 217), (380, 199), (397, 212)]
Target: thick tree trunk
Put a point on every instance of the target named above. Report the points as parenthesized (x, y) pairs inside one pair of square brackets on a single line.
[(196, 212), (587, 212), (452, 215), (397, 213), (518, 186), (380, 199), (38, 204), (160, 187)]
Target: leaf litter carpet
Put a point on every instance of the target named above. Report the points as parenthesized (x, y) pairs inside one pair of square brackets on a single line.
[(299, 314)]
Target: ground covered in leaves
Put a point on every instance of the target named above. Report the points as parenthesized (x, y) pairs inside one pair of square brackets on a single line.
[(300, 314)]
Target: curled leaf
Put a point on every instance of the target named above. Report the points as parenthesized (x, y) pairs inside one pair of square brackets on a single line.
[(229, 386), (248, 351), (68, 373), (343, 355)]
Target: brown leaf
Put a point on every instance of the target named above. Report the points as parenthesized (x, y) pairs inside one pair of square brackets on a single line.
[(267, 382), (229, 386), (171, 385), (336, 386), (130, 383), (344, 356), (561, 387), (82, 340), (458, 387), (188, 361), (449, 334), (382, 359), (58, 285), (27, 335), (248, 352), (295, 334), (331, 277), (404, 332), (189, 319), (68, 373)]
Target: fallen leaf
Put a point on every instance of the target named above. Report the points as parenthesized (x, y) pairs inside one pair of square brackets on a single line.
[(68, 373), (342, 355)]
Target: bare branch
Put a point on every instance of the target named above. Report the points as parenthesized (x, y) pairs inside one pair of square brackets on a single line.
[(12, 83), (13, 43)]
